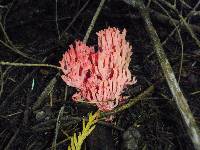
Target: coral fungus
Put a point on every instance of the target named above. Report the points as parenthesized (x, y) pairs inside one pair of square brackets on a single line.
[(100, 76)]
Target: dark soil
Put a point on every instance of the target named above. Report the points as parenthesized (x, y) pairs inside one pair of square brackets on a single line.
[(153, 123)]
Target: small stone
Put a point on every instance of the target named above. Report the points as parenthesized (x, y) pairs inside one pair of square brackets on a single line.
[(40, 115)]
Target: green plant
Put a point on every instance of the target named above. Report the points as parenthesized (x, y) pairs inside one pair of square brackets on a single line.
[(77, 141)]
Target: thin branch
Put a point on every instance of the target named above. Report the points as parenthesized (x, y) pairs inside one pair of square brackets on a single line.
[(179, 35), (93, 21), (164, 19), (13, 138), (14, 49), (193, 9), (3, 74), (74, 19), (58, 122), (7, 12), (168, 37), (1, 81), (190, 30), (41, 99), (28, 65), (5, 34), (57, 27), (183, 20), (8, 43), (130, 103), (185, 4)]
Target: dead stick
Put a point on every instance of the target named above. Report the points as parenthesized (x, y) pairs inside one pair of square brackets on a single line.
[(131, 102), (93, 21)]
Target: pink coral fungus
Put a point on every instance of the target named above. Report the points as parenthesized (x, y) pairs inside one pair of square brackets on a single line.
[(100, 76)]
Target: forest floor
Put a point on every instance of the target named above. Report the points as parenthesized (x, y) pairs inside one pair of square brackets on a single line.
[(39, 32)]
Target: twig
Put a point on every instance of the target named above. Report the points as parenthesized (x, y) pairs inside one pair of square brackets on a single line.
[(14, 49), (10, 45), (3, 76), (93, 21), (131, 102), (179, 35), (185, 4), (168, 37), (193, 9), (181, 102), (164, 19), (59, 143), (5, 34), (58, 122), (190, 31), (183, 20), (57, 27), (66, 93), (27, 110), (74, 19), (9, 99), (7, 12), (1, 81), (28, 65), (196, 92), (12, 139), (45, 93)]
